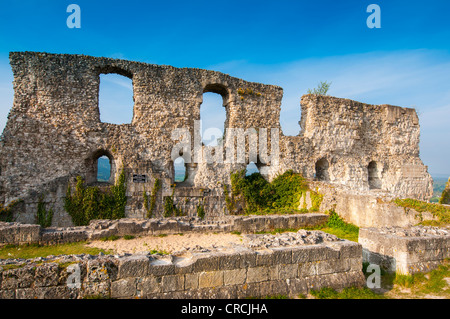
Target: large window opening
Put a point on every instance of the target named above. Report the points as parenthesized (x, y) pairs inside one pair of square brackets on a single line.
[(115, 100), (322, 170), (212, 117), (374, 175)]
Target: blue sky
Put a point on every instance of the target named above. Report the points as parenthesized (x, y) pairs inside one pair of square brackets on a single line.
[(294, 44)]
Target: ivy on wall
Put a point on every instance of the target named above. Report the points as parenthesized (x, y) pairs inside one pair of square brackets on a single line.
[(6, 212), (91, 202), (150, 207), (44, 217), (254, 195)]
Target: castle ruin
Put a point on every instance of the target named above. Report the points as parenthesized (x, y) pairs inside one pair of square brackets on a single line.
[(54, 134)]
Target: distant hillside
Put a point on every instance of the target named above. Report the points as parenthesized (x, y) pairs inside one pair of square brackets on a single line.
[(438, 187)]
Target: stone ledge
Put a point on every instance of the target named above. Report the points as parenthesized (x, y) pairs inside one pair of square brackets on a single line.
[(405, 250), (16, 233)]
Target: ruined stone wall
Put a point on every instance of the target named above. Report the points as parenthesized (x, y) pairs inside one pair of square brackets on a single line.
[(405, 250), (348, 136), (54, 134), (232, 273)]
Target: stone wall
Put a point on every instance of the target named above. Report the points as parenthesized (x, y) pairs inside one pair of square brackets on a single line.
[(228, 274), (17, 233), (405, 250), (367, 208), (54, 134)]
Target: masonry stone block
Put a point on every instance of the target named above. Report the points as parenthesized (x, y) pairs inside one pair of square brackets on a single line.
[(172, 283), (258, 274), (234, 277), (134, 266), (124, 288)]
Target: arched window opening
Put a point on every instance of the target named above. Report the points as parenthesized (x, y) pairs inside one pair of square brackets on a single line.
[(103, 169), (212, 118), (251, 168), (322, 170), (180, 172), (374, 175), (115, 100)]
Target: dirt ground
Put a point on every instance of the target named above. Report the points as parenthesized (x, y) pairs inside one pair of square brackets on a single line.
[(169, 243)]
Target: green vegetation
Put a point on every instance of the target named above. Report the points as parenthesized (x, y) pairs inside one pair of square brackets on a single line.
[(44, 217), (201, 211), (170, 209), (91, 202), (6, 212), (110, 238), (252, 194), (322, 89), (338, 227), (149, 208), (437, 210), (346, 293), (432, 282), (438, 187), (35, 250), (158, 252), (128, 237)]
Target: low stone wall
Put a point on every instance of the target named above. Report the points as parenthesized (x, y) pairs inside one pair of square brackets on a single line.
[(405, 250), (226, 273), (371, 208), (16, 233)]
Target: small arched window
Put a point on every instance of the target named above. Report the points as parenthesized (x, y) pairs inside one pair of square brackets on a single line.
[(374, 175), (321, 170), (180, 172), (103, 169)]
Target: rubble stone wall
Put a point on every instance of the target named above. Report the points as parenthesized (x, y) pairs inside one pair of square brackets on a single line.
[(237, 273), (54, 134), (405, 250), (17, 233)]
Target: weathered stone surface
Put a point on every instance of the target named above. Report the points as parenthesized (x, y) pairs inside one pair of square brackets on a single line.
[(56, 114), (210, 279), (134, 266), (405, 250), (47, 275), (234, 277)]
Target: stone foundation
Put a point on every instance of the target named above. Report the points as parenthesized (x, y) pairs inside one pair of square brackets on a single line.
[(227, 273), (405, 250), (16, 233)]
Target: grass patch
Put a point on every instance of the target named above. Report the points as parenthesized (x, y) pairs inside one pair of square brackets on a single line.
[(338, 227), (426, 283), (437, 210), (346, 293), (128, 237), (159, 252), (110, 238), (35, 250)]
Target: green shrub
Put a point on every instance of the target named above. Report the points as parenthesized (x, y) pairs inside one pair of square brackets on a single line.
[(201, 211), (44, 217), (89, 202), (170, 209), (252, 194), (322, 88)]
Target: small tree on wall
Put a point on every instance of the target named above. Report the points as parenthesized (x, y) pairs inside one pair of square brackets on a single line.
[(322, 88)]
